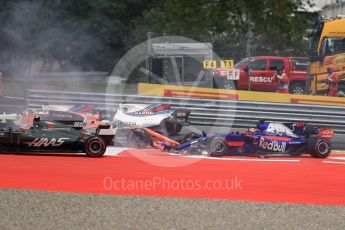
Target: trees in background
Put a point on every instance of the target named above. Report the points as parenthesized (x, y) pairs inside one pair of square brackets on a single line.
[(92, 35)]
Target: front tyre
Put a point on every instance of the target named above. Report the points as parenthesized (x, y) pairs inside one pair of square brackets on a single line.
[(95, 147), (319, 148), (217, 147)]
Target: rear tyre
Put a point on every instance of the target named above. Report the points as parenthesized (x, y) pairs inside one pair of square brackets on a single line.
[(319, 148), (169, 127), (178, 128), (95, 147), (217, 147)]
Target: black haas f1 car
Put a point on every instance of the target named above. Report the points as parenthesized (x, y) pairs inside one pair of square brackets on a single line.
[(47, 136), (268, 138)]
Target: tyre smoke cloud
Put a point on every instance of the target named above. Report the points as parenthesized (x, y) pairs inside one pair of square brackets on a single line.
[(39, 41)]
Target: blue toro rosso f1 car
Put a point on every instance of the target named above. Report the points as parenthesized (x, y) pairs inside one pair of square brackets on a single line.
[(268, 138)]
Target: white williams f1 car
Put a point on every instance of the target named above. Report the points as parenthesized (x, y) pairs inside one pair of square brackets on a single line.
[(158, 117)]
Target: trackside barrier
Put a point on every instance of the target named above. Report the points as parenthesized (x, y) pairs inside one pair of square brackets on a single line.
[(241, 95), (205, 112)]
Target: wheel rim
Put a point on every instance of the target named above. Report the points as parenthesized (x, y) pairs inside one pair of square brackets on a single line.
[(323, 148), (298, 90), (229, 86), (95, 147), (219, 147), (341, 93)]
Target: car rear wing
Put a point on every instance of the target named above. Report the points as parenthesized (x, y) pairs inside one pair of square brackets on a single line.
[(107, 132)]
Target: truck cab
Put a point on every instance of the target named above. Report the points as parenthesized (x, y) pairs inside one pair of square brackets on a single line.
[(327, 49)]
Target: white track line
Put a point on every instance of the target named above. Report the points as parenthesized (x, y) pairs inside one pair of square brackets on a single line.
[(334, 162), (338, 151), (242, 159), (337, 158), (114, 151)]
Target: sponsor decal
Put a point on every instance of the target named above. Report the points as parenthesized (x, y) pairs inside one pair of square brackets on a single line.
[(125, 123), (144, 113), (61, 116), (260, 79), (38, 142), (326, 133), (272, 145), (235, 75), (79, 124), (295, 142)]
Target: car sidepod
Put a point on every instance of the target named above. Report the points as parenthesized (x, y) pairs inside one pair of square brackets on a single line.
[(279, 144)]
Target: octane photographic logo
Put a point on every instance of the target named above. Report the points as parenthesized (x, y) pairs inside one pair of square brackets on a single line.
[(136, 62)]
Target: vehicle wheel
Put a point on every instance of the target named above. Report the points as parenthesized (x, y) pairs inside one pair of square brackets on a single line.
[(341, 92), (190, 136), (141, 139), (217, 147), (169, 127), (229, 85), (95, 147), (319, 148), (297, 88), (178, 128)]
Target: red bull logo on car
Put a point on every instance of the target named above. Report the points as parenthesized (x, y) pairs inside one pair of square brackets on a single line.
[(272, 145)]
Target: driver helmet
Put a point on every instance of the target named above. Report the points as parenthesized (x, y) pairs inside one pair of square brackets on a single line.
[(37, 117), (124, 109), (252, 130)]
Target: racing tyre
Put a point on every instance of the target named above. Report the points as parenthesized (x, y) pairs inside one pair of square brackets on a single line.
[(141, 138), (178, 128), (95, 147), (319, 148), (217, 147), (169, 127)]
